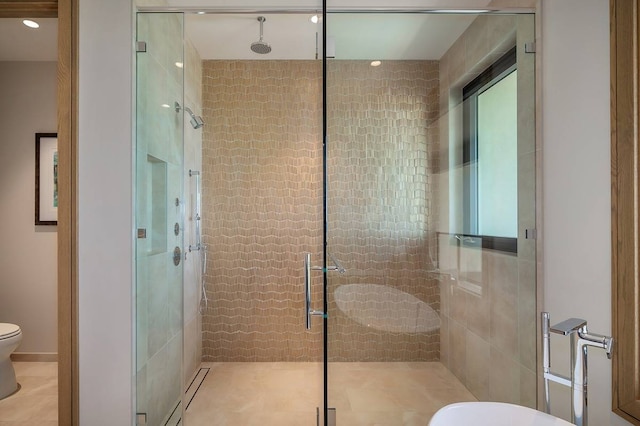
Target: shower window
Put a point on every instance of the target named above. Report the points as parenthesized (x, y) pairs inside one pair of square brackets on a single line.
[(490, 155)]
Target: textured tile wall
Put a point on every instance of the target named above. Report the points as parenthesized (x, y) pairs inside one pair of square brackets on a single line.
[(262, 162), (382, 131)]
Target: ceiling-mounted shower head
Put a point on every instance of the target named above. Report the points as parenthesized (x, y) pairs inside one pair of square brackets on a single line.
[(260, 46), (196, 120)]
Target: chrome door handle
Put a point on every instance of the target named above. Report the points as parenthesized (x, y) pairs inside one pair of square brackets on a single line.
[(307, 291)]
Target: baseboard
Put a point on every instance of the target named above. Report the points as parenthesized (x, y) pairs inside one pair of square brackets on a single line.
[(34, 357)]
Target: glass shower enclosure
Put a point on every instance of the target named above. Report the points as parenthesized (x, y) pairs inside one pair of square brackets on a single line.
[(419, 148), (159, 218), (407, 243)]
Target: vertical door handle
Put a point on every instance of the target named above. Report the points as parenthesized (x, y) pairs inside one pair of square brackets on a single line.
[(308, 312), (307, 290)]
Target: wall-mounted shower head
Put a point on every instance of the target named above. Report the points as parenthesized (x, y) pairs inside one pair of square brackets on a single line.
[(196, 120), (260, 46)]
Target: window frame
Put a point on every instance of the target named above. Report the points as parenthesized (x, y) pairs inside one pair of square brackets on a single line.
[(492, 75)]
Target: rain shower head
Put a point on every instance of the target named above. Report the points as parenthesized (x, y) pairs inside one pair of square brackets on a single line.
[(260, 46), (196, 120)]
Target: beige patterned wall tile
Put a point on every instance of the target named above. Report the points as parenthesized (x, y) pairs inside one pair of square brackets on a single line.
[(381, 195), (263, 177), (262, 173)]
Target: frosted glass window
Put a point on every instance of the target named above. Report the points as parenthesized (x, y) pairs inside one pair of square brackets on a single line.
[(497, 167)]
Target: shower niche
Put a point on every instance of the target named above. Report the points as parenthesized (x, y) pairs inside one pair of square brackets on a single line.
[(156, 205)]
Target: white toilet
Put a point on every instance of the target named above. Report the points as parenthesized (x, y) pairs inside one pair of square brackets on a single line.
[(10, 338)]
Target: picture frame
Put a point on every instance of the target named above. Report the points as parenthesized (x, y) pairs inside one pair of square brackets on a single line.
[(46, 171)]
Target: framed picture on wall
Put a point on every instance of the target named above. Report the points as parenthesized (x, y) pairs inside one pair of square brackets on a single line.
[(46, 178)]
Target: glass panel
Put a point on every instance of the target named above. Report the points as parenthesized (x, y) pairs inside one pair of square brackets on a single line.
[(262, 211), (423, 309), (159, 218)]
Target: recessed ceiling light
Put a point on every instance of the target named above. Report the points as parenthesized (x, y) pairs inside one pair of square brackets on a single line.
[(376, 63), (179, 65), (31, 24), (165, 106), (314, 19), (201, 13)]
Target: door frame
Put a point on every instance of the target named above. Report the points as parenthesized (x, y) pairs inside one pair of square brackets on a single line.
[(625, 286), (68, 374), (67, 13)]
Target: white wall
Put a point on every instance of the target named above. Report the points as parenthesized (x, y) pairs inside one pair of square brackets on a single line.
[(105, 212), (576, 179), (28, 257)]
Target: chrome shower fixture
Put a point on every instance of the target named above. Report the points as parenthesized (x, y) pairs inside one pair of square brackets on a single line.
[(196, 120), (260, 46)]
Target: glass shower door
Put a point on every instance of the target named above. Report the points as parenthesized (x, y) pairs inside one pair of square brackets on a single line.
[(159, 218), (418, 303)]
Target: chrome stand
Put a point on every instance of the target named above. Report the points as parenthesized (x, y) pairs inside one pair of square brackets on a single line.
[(576, 329)]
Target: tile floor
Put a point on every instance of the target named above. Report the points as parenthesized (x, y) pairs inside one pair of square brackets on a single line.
[(36, 403), (282, 394)]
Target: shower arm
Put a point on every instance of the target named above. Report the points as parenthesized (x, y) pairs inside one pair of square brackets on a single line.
[(188, 110), (261, 27), (196, 120)]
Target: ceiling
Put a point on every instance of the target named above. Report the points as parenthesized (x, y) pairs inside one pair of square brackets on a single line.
[(356, 36), (20, 43), (383, 36), (333, 4)]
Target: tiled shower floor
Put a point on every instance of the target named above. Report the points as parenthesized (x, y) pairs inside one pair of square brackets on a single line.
[(282, 394)]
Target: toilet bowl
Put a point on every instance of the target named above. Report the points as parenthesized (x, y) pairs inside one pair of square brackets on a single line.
[(10, 338)]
